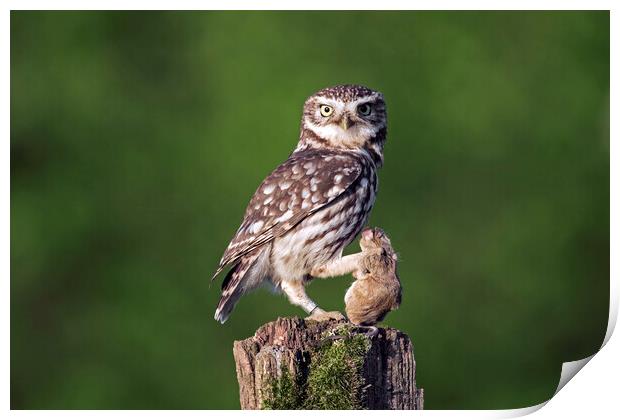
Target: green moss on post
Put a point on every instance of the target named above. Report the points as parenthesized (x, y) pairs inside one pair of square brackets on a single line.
[(294, 364), (334, 381), (285, 393)]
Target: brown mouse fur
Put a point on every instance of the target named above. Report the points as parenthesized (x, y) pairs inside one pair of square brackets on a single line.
[(377, 289)]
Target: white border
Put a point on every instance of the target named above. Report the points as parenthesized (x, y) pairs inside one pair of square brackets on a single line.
[(312, 5), (593, 394)]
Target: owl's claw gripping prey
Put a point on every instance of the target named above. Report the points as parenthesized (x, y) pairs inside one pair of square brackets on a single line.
[(320, 315)]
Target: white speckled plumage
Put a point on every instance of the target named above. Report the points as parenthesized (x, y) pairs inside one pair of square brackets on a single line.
[(314, 204)]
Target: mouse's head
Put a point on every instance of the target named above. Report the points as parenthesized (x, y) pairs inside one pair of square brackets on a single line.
[(376, 239)]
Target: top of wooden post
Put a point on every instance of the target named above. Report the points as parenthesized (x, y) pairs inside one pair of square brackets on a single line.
[(293, 346)]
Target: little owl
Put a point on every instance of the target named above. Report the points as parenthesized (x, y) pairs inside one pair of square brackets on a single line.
[(314, 204)]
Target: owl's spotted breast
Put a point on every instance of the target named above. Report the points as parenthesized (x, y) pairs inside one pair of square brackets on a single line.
[(323, 236), (301, 186)]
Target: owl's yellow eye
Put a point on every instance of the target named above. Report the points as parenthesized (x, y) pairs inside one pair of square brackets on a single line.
[(326, 110), (364, 109)]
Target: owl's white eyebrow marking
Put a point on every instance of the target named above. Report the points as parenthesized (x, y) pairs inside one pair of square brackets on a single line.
[(268, 189), (337, 104), (369, 98)]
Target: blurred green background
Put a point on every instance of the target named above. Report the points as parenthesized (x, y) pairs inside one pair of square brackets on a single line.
[(138, 138)]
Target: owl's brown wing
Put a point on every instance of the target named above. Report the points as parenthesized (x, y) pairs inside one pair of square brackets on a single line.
[(303, 184)]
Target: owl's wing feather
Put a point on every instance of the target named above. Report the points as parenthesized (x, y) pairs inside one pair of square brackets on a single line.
[(231, 290), (306, 182)]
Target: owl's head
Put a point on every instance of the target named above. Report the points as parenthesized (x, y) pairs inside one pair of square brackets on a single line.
[(345, 117)]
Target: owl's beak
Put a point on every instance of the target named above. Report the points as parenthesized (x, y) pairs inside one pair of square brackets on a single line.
[(346, 122)]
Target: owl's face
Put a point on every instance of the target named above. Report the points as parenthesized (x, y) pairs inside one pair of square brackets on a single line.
[(347, 117)]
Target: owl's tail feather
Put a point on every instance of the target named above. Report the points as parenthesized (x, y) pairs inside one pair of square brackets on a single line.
[(226, 306), (234, 286)]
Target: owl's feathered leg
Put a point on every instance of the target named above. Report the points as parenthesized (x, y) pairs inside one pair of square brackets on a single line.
[(345, 265), (296, 293)]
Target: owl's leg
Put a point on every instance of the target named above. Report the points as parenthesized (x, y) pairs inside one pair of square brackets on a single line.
[(296, 293), (341, 266)]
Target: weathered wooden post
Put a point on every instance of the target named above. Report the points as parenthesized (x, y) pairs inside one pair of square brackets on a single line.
[(291, 363)]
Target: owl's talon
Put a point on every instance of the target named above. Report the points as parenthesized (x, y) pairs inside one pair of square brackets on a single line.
[(320, 315)]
